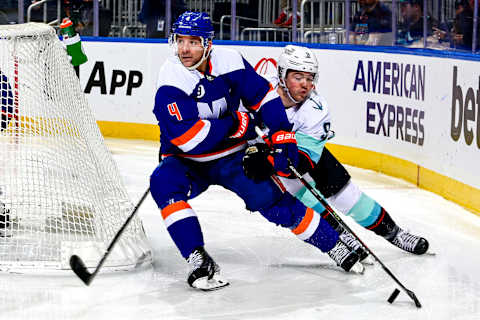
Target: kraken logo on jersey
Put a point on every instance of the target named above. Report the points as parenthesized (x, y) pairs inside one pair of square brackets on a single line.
[(316, 104), (200, 91)]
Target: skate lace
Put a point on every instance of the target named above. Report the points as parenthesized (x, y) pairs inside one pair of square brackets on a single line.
[(406, 241), (349, 240), (339, 253), (195, 260)]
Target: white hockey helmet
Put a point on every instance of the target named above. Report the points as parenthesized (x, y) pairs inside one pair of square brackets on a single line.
[(298, 59)]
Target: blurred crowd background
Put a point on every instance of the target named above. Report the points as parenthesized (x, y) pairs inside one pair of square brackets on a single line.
[(435, 24)]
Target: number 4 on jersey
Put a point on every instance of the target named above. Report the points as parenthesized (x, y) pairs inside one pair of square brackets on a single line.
[(174, 111)]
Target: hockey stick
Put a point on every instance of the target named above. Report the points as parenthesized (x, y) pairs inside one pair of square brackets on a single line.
[(77, 264), (330, 210)]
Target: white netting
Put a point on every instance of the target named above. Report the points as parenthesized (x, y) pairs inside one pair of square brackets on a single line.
[(58, 183)]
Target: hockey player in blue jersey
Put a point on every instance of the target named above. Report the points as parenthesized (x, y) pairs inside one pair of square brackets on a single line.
[(308, 111), (203, 136)]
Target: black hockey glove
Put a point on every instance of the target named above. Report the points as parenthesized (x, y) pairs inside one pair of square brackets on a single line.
[(243, 126), (257, 162)]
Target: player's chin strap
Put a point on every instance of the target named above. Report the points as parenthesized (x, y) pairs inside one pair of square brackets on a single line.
[(206, 53), (331, 211)]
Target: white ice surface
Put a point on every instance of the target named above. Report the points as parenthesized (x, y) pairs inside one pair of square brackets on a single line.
[(273, 275)]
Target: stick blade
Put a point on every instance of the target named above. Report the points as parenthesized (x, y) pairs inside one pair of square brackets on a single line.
[(412, 295), (414, 298), (80, 269)]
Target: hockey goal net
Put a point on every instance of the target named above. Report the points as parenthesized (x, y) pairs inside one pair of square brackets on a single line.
[(60, 190)]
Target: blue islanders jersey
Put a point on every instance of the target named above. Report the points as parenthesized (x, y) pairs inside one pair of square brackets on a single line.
[(193, 108)]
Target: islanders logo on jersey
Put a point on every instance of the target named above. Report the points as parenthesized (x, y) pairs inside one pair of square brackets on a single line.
[(200, 91)]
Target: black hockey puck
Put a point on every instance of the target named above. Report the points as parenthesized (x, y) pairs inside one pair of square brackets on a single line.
[(393, 296)]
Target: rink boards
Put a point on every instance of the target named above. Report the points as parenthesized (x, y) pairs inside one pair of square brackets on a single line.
[(409, 114)]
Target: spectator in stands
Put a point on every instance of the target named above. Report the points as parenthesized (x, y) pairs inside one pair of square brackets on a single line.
[(371, 23), (8, 11), (81, 14), (286, 17), (411, 27), (153, 15), (463, 26)]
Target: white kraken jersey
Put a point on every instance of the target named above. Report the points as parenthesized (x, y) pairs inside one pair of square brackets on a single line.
[(311, 123)]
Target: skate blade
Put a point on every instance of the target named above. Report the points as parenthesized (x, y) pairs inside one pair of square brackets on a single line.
[(368, 261), (204, 284), (357, 268)]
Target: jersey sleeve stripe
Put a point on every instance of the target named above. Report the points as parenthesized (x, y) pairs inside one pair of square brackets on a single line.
[(271, 94), (196, 134), (213, 155)]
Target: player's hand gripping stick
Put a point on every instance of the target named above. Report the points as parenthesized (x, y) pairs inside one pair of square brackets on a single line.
[(320, 198)]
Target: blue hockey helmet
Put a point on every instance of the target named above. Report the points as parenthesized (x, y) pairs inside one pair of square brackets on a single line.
[(194, 24), (197, 24)]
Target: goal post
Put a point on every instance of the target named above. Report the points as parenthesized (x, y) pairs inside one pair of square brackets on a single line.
[(60, 189)]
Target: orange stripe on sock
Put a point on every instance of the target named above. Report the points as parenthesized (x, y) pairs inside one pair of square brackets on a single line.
[(174, 207), (305, 222), (378, 221)]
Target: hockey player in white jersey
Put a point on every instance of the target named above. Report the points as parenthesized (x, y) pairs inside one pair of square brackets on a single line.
[(308, 111)]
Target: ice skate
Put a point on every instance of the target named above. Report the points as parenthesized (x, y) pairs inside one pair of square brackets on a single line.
[(409, 242), (346, 258), (205, 272), (348, 239)]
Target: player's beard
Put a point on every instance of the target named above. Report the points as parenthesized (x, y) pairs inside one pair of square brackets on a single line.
[(189, 61)]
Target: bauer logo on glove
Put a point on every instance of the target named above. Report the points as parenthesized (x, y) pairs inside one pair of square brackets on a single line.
[(284, 137), (243, 126), (243, 120), (286, 150)]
